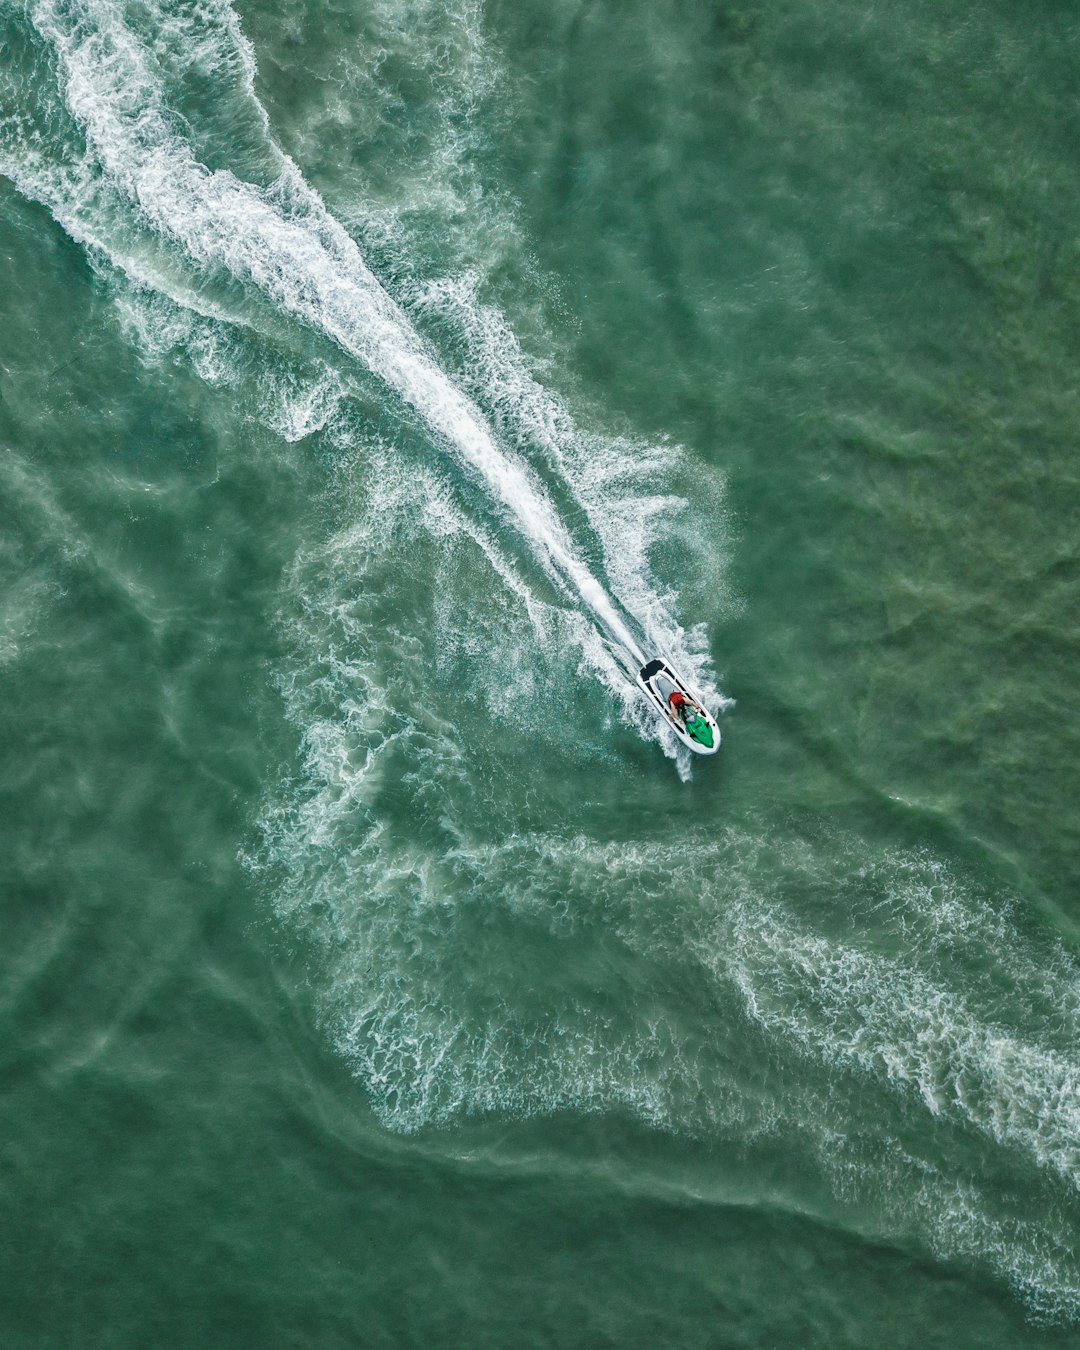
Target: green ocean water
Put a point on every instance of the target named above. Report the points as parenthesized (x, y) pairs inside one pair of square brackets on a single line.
[(374, 971)]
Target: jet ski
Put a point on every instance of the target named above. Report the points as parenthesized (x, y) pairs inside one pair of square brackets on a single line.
[(680, 707)]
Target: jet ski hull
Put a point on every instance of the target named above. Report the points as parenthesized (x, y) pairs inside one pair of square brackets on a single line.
[(659, 681)]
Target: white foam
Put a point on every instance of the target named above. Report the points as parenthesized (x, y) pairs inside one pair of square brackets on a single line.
[(24, 604), (885, 1017), (621, 485), (746, 1008)]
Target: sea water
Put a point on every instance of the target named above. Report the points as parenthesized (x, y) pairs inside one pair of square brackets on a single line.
[(378, 384)]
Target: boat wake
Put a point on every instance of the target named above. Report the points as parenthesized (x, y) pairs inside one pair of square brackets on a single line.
[(139, 174)]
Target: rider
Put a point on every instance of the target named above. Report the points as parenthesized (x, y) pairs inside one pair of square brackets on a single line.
[(690, 715), (680, 705)]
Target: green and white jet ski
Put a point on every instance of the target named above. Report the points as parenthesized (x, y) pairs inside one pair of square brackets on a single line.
[(680, 707)]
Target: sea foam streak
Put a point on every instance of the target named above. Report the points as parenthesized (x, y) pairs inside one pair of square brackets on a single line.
[(285, 242)]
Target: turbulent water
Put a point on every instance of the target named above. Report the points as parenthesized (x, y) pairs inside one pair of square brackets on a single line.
[(378, 385)]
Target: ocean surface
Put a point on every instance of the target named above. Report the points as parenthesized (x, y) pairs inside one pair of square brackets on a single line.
[(378, 381)]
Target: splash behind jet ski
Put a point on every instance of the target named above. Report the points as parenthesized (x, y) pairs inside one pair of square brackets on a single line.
[(680, 707)]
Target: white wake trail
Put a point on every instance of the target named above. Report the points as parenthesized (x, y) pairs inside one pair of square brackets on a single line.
[(287, 243)]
